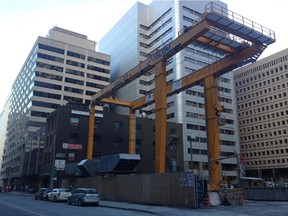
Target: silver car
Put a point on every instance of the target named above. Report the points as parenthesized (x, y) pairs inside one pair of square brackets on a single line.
[(83, 196)]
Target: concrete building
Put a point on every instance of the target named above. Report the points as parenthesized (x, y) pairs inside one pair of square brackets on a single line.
[(144, 29), (262, 102), (67, 147), (3, 126), (61, 67)]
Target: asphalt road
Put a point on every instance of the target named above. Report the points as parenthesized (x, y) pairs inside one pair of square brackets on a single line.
[(13, 204)]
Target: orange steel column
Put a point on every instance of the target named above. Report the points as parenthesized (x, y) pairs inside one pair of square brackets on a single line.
[(132, 132), (160, 116), (91, 132), (212, 128)]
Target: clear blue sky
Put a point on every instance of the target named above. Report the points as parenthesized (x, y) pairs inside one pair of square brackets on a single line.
[(22, 21)]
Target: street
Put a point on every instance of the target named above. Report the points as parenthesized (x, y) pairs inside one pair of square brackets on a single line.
[(17, 204)]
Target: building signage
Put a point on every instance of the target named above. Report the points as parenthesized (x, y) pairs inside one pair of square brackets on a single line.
[(72, 146), (60, 155), (60, 164), (160, 53)]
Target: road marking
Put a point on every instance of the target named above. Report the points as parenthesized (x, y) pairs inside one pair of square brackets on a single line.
[(23, 209)]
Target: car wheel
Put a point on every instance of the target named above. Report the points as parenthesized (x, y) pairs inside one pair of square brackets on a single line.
[(68, 201), (96, 204), (80, 203), (36, 197)]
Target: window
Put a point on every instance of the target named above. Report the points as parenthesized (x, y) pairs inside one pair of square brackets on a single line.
[(73, 137), (118, 141), (118, 125), (138, 128), (74, 121)]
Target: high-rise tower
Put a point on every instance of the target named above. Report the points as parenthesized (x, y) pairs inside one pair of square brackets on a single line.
[(61, 67)]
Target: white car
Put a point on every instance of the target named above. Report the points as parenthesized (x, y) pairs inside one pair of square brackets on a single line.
[(58, 194), (83, 196)]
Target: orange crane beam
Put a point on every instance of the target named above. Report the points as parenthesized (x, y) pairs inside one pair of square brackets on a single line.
[(216, 68), (91, 132), (160, 55), (160, 116), (132, 132), (212, 130)]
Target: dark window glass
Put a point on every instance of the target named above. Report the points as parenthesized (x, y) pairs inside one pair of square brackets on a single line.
[(118, 125), (99, 61), (98, 69), (50, 57), (50, 48), (75, 55)]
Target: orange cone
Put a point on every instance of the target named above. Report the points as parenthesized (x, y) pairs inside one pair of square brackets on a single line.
[(242, 200)]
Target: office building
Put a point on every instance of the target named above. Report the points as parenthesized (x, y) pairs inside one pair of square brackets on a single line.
[(64, 148), (61, 67), (262, 102), (146, 28)]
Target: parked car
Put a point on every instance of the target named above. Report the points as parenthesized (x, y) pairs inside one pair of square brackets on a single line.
[(58, 194), (83, 196), (41, 194)]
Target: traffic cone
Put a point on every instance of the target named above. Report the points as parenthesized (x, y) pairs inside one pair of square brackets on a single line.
[(206, 200), (242, 200)]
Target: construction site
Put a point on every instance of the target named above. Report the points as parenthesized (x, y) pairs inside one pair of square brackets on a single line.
[(240, 41)]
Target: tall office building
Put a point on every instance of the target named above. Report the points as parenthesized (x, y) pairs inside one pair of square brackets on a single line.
[(146, 28), (61, 67), (262, 102)]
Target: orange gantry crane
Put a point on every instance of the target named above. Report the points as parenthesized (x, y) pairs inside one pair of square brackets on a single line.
[(239, 40)]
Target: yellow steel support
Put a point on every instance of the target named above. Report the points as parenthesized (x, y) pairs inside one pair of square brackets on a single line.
[(161, 116), (91, 132), (132, 132), (216, 68), (213, 136)]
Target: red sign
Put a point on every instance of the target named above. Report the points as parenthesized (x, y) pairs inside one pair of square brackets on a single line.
[(72, 146)]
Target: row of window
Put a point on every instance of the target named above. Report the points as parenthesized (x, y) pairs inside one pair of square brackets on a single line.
[(268, 162), (264, 144), (160, 37), (72, 54), (266, 116), (156, 31), (68, 71), (72, 63), (263, 83), (264, 101), (263, 135), (262, 67), (203, 128), (269, 153), (147, 28)]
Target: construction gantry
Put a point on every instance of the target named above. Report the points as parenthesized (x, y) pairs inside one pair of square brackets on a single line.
[(239, 40)]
